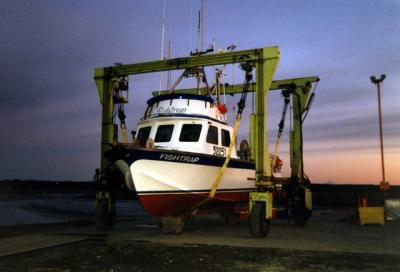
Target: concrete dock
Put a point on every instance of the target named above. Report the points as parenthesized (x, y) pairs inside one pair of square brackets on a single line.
[(327, 232), (331, 230)]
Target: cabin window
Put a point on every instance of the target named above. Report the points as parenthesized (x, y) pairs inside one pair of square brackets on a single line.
[(164, 133), (143, 133), (190, 133), (225, 137), (212, 135)]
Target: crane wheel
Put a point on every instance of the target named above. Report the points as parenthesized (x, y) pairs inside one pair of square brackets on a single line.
[(244, 150), (259, 225)]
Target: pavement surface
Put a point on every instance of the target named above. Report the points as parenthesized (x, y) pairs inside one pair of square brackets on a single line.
[(332, 240), (330, 230), (25, 243)]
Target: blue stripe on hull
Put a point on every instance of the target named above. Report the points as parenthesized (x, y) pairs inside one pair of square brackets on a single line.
[(133, 154)]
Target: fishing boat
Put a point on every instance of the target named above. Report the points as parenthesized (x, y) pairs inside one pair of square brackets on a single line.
[(182, 141)]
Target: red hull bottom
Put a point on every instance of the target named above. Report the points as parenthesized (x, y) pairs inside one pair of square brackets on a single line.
[(161, 205)]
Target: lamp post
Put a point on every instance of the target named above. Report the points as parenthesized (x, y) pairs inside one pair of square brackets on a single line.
[(383, 185)]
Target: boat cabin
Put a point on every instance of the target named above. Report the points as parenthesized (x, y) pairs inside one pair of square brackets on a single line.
[(191, 123)]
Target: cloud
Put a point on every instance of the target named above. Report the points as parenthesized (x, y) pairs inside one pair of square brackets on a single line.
[(50, 110)]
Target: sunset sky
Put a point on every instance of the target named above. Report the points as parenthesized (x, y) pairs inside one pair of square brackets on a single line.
[(50, 111)]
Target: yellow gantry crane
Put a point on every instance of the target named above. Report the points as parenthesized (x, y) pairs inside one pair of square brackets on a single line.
[(112, 81)]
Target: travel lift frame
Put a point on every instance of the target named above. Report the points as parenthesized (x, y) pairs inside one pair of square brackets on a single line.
[(265, 62)]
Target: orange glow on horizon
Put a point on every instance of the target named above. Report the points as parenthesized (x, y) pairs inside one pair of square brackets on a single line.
[(352, 168), (347, 162)]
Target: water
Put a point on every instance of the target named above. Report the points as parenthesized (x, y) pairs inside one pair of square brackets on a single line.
[(12, 213), (57, 208)]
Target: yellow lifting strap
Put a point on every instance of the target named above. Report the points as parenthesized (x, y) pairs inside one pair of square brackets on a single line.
[(277, 142), (222, 170), (124, 136)]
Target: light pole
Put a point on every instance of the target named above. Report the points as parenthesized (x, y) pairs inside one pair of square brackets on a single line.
[(384, 185)]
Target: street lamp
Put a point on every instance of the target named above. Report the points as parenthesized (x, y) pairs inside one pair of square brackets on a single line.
[(384, 185)]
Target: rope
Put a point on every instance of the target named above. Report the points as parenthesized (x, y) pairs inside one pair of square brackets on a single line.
[(223, 83), (222, 170)]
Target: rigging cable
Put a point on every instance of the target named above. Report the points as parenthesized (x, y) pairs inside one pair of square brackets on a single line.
[(309, 102), (122, 85), (286, 94)]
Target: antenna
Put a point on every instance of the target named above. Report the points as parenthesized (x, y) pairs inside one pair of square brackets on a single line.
[(169, 71), (198, 32), (200, 28), (162, 40), (202, 25), (191, 26)]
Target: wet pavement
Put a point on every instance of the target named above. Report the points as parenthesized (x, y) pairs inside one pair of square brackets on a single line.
[(332, 240), (39, 208)]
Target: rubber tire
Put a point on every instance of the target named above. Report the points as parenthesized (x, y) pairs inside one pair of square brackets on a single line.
[(104, 218), (259, 225)]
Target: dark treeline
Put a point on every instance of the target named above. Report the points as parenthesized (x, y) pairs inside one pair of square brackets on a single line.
[(342, 195), (27, 185), (89, 188), (332, 195)]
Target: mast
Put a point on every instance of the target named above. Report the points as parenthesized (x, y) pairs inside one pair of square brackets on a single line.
[(169, 72), (163, 39), (202, 25)]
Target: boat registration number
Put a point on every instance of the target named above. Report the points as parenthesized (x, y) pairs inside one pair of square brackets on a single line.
[(219, 151)]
